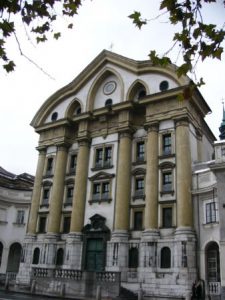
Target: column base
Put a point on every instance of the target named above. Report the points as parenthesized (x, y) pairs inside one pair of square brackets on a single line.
[(74, 236), (74, 249), (120, 236), (182, 233), (51, 237), (149, 235)]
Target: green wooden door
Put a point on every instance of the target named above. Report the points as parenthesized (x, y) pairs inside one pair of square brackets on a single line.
[(95, 255)]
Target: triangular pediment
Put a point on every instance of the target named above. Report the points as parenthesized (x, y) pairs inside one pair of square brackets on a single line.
[(101, 175)]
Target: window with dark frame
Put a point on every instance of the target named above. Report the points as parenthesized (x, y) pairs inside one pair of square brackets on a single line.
[(167, 144), (138, 220), (46, 193), (42, 224), (103, 157), (167, 181), (211, 212), (167, 217), (101, 191), (66, 224), (133, 257), (49, 166), (165, 258), (20, 217), (140, 154), (73, 163), (69, 195), (139, 187), (59, 257)]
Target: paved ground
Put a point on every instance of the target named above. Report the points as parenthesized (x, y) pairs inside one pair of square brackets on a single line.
[(20, 296)]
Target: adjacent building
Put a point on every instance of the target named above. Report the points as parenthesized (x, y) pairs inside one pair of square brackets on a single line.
[(15, 200), (113, 187)]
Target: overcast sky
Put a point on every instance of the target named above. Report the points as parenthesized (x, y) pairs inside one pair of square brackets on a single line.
[(100, 24)]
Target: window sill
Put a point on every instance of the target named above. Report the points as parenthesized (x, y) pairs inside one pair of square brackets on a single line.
[(166, 155), (210, 224), (44, 205), (67, 204), (167, 192), (138, 197), (139, 162), (101, 168), (47, 176), (19, 224), (99, 201)]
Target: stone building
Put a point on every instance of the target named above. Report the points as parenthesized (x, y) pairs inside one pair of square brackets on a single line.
[(113, 187), (209, 215), (15, 200)]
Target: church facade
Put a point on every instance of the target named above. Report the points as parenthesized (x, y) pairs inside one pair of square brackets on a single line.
[(113, 186)]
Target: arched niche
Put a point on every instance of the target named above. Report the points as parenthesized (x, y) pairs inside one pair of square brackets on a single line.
[(137, 90), (107, 85), (75, 108)]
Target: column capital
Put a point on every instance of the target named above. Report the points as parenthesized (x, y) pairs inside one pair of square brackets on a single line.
[(84, 141), (62, 146), (126, 132), (151, 126), (41, 149), (181, 121)]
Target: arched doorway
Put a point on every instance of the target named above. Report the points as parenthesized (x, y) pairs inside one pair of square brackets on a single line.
[(212, 262), (96, 236), (13, 264)]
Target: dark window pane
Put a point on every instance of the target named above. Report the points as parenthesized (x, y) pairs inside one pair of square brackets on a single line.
[(133, 257), (165, 257), (138, 220), (59, 257), (167, 217), (42, 224), (66, 224), (140, 151), (167, 149)]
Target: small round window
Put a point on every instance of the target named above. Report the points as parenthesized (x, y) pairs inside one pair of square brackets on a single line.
[(54, 116), (109, 87), (164, 85)]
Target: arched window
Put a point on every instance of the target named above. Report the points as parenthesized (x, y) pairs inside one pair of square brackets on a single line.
[(133, 257), (36, 256), (59, 257), (14, 257), (108, 102), (165, 258), (54, 116), (141, 94)]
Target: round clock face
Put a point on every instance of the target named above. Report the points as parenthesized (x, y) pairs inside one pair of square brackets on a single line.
[(109, 87)]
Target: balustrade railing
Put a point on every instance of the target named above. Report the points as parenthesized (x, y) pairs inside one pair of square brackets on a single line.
[(214, 288)]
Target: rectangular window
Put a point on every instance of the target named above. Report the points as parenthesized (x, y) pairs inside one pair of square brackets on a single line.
[(49, 166), (96, 191), (139, 187), (42, 224), (66, 224), (103, 157), (105, 190), (140, 154), (73, 163), (101, 191), (167, 181), (46, 193), (211, 212), (20, 217), (69, 195), (167, 217), (138, 216), (167, 145)]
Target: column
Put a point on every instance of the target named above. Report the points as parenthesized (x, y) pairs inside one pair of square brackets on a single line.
[(184, 174), (123, 188), (56, 196), (36, 192), (151, 181), (79, 198)]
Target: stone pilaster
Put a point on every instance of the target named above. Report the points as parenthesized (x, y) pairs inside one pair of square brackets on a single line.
[(184, 174), (151, 183), (57, 190), (32, 224), (79, 198)]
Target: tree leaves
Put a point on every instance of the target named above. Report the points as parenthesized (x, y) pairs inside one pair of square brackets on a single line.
[(196, 39), (38, 18), (136, 17)]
